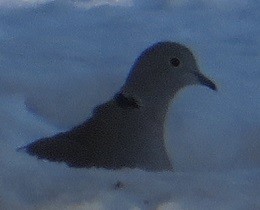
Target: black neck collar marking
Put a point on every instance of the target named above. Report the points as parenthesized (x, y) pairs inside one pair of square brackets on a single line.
[(126, 102)]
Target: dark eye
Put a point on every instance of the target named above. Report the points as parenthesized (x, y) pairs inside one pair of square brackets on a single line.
[(175, 62)]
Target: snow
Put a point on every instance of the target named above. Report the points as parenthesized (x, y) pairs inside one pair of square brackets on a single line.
[(59, 59)]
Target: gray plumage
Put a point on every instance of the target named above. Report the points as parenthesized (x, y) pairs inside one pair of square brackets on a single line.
[(128, 130)]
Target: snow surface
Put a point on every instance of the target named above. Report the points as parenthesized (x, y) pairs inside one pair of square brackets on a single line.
[(59, 59)]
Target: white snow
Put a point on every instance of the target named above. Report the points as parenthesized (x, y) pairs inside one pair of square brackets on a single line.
[(59, 59)]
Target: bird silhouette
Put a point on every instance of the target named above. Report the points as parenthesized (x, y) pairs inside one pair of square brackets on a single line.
[(128, 130)]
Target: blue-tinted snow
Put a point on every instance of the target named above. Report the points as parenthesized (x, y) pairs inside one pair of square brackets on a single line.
[(58, 59)]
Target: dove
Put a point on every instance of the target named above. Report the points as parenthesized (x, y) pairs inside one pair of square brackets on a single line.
[(128, 130)]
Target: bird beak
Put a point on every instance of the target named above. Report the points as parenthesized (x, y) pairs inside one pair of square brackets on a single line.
[(205, 81)]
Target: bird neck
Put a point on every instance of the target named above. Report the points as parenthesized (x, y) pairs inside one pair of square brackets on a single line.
[(154, 105), (158, 106)]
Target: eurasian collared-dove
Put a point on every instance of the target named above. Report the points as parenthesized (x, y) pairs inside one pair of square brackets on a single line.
[(128, 130)]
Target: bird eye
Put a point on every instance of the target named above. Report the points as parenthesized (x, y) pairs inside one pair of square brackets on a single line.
[(175, 62)]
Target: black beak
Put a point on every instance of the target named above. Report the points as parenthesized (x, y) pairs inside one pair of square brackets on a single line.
[(205, 81)]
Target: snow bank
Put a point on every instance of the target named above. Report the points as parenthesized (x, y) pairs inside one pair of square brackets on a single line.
[(59, 59)]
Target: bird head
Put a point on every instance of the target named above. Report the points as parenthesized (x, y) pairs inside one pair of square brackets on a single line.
[(163, 69)]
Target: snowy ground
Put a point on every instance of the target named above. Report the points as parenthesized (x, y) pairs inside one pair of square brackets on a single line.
[(58, 59)]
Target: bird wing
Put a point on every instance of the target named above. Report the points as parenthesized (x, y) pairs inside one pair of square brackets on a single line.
[(86, 145), (64, 147)]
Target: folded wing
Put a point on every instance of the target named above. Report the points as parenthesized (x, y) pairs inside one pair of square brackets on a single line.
[(89, 144)]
